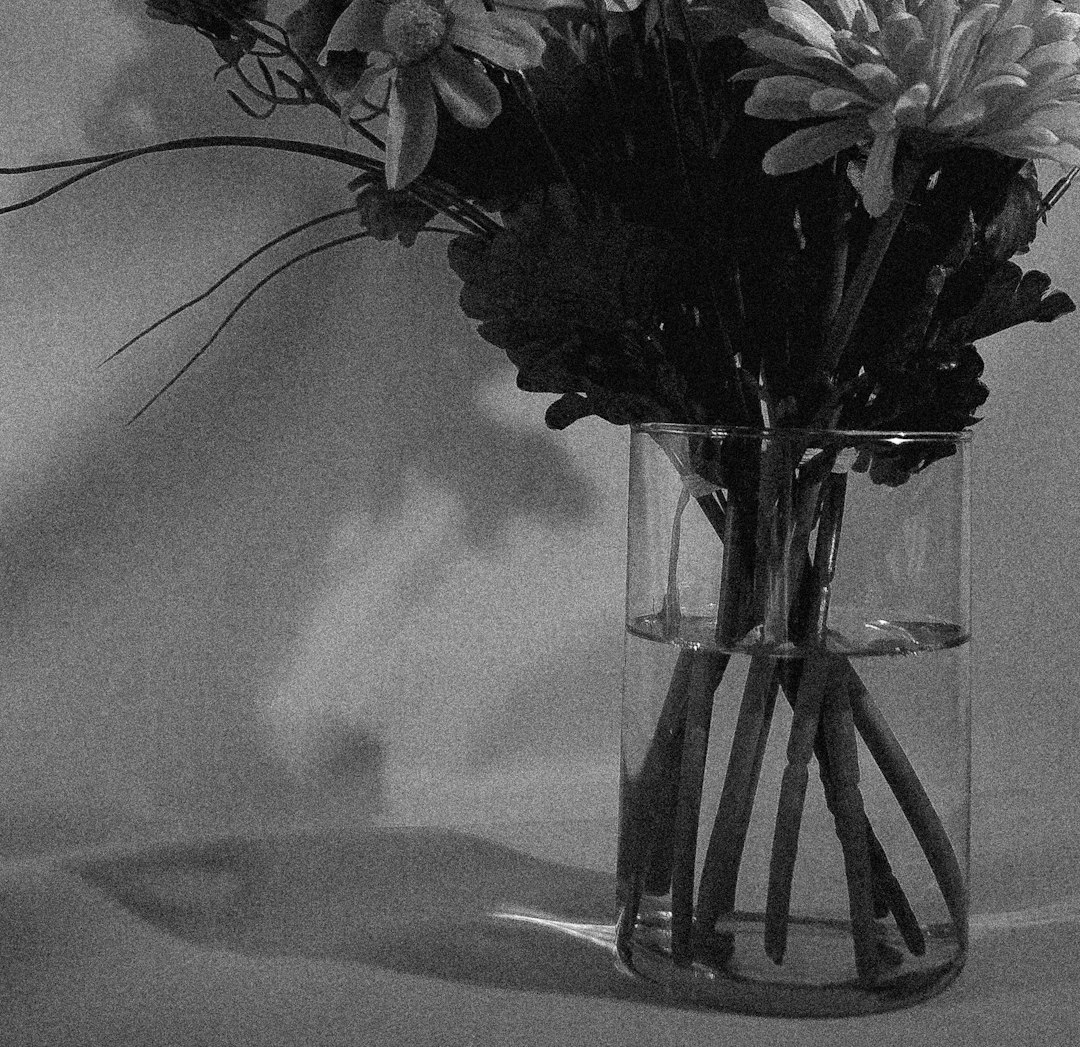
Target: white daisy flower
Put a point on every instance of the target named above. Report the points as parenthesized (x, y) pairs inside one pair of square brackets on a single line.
[(936, 73), (422, 49)]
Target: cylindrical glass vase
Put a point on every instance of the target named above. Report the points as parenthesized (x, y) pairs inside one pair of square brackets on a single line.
[(795, 786)]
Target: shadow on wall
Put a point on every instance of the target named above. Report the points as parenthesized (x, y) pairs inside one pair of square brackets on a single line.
[(159, 575)]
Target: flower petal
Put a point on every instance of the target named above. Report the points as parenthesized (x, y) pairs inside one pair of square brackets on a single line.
[(790, 53), (898, 32), (1033, 143), (832, 99), (804, 21), (1063, 52), (791, 88), (965, 112), (464, 87), (1056, 25), (957, 58), (913, 65), (1061, 119), (879, 80), (1003, 82), (375, 71), (411, 126), (505, 39), (844, 11), (877, 185), (358, 29), (1002, 49), (811, 145), (986, 73), (853, 51), (910, 107)]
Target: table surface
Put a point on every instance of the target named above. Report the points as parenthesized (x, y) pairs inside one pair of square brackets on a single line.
[(422, 936)]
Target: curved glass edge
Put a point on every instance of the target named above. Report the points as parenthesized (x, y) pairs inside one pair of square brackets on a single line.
[(963, 436)]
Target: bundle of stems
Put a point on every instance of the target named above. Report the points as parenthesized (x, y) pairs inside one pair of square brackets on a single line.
[(771, 577)]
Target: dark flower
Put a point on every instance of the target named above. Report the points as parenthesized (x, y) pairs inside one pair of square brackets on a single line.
[(392, 214), (575, 302), (222, 21), (216, 18)]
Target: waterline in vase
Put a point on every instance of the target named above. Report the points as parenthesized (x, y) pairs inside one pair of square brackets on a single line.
[(847, 635)]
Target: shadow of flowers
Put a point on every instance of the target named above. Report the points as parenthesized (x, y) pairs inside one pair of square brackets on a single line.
[(431, 902), (169, 568)]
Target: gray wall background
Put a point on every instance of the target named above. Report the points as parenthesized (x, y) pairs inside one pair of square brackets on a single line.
[(342, 571)]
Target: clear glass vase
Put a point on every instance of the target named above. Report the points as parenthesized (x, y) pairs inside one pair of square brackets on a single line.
[(795, 787)]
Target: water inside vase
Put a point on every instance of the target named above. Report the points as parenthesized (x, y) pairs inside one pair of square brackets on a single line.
[(920, 682)]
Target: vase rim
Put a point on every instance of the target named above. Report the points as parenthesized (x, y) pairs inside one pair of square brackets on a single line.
[(810, 433)]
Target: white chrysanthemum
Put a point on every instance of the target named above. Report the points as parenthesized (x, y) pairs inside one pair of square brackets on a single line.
[(939, 73)]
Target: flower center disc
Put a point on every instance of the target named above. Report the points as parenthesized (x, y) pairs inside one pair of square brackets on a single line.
[(413, 30)]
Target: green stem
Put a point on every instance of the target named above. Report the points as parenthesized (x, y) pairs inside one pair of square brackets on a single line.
[(648, 803), (818, 729), (804, 726), (911, 795), (704, 679), (825, 554), (888, 889), (841, 247), (719, 327), (429, 190), (840, 330), (850, 816), (731, 605), (720, 869), (892, 896), (643, 805), (672, 611)]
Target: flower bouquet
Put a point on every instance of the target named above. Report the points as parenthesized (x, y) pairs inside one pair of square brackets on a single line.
[(768, 238)]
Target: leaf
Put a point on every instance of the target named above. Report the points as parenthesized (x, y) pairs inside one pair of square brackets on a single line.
[(308, 28), (974, 212), (568, 409), (390, 214), (573, 302), (1012, 297), (1011, 228), (713, 19), (220, 23), (922, 313)]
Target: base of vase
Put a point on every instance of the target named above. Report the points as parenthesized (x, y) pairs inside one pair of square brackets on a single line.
[(731, 971)]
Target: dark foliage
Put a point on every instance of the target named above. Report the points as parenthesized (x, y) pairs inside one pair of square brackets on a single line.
[(221, 21), (648, 269)]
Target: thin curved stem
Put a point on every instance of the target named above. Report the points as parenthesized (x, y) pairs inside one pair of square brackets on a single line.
[(336, 242), (313, 84), (1059, 189), (294, 231), (426, 189), (96, 164)]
